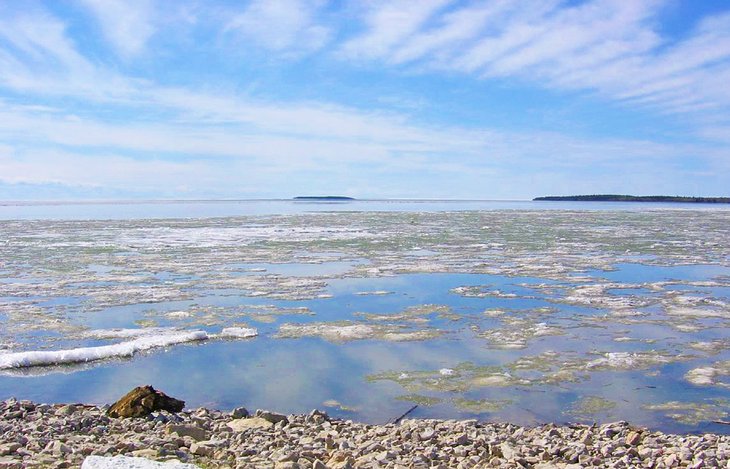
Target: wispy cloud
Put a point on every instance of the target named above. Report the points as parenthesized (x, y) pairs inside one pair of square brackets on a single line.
[(389, 23), (334, 142), (608, 46), (69, 117), (289, 26), (38, 57), (127, 24)]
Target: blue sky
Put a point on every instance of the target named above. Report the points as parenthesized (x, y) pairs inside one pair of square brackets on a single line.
[(498, 99)]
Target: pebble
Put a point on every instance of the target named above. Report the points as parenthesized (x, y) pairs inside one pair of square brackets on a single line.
[(64, 436)]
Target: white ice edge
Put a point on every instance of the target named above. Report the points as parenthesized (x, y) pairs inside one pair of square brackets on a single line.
[(127, 333), (238, 333), (16, 360)]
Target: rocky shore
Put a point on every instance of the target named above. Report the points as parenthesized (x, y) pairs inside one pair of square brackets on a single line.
[(59, 436)]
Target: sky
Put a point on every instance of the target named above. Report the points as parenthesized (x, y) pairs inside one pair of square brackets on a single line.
[(494, 99)]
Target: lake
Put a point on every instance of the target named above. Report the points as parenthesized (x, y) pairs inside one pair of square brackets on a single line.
[(526, 312)]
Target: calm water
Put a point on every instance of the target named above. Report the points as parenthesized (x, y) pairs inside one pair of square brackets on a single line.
[(518, 311), (219, 208)]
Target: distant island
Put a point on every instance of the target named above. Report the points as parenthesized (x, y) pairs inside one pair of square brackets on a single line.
[(322, 197), (636, 198)]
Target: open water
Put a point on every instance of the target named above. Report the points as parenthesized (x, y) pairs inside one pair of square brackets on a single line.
[(526, 312)]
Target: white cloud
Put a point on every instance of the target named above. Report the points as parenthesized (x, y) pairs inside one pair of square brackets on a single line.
[(453, 29), (127, 24), (389, 23), (281, 25), (609, 46), (256, 143), (37, 56), (131, 133)]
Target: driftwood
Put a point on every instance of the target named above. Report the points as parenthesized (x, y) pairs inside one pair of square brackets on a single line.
[(405, 414)]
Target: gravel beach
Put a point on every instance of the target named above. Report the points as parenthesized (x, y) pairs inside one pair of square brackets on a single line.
[(57, 436)]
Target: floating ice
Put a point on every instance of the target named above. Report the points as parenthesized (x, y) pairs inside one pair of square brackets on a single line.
[(412, 335), (344, 331), (55, 272), (88, 354), (238, 332), (178, 314), (703, 376), (614, 360), (329, 331), (517, 333), (126, 333), (632, 360)]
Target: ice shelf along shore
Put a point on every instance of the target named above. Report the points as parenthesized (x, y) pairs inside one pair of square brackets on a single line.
[(531, 315)]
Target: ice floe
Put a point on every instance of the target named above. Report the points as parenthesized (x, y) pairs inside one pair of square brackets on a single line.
[(238, 333), (709, 375), (88, 354), (345, 331), (632, 360), (329, 331), (516, 333), (142, 340), (55, 273)]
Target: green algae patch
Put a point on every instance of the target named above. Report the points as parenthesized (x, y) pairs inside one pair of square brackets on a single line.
[(146, 323), (459, 379), (335, 404), (415, 314), (481, 406), (483, 292), (693, 413), (516, 333), (419, 399), (591, 405)]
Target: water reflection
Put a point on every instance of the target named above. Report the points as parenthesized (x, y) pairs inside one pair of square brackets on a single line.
[(599, 363)]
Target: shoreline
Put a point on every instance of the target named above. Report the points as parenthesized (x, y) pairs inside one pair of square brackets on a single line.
[(633, 198), (63, 435)]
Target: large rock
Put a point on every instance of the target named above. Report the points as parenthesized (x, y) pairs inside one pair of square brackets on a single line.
[(196, 433), (142, 401), (240, 425), (272, 417)]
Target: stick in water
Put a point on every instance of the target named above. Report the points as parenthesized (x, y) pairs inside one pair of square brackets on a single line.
[(406, 414)]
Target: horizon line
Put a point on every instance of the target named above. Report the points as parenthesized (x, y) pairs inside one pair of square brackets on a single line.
[(142, 201)]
